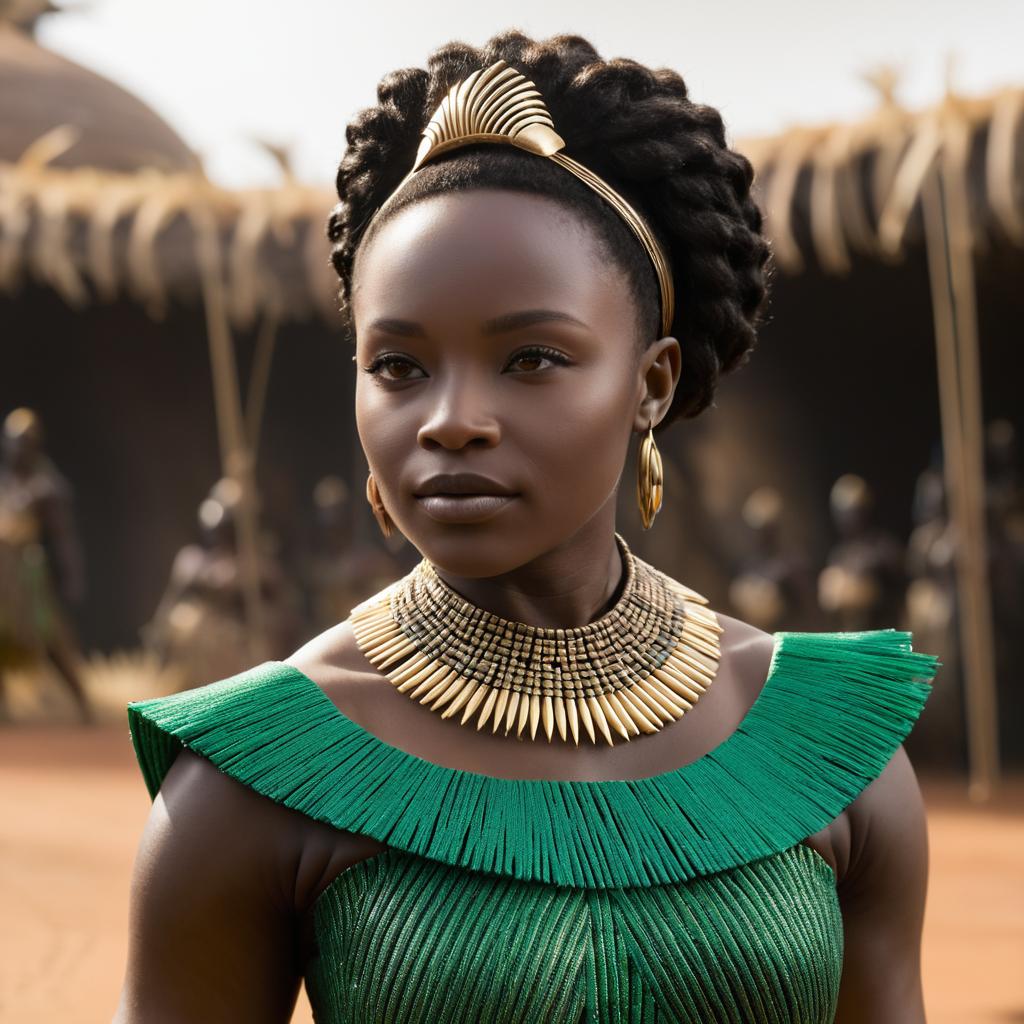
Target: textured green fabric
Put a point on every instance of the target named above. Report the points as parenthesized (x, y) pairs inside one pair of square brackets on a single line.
[(680, 897), (406, 939)]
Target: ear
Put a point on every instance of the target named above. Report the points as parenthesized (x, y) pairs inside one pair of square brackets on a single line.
[(658, 372)]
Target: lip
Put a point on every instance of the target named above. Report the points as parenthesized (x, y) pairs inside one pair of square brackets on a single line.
[(464, 508), (461, 484)]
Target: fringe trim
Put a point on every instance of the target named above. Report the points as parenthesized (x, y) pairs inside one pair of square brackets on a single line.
[(833, 710)]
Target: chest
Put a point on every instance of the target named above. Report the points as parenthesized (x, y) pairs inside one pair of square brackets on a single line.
[(403, 937)]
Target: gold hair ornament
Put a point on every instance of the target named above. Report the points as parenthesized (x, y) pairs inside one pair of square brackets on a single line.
[(499, 104)]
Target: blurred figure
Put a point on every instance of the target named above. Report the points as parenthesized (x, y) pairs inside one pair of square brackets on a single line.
[(341, 573), (932, 615), (775, 588), (200, 626), (1004, 508), (864, 581), (41, 562)]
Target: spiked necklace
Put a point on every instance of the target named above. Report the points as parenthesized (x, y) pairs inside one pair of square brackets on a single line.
[(640, 666)]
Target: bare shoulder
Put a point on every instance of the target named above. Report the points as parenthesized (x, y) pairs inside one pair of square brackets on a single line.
[(335, 663), (332, 657), (888, 834), (211, 934), (882, 893), (746, 654)]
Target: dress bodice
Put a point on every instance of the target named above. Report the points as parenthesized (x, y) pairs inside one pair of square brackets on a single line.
[(681, 897)]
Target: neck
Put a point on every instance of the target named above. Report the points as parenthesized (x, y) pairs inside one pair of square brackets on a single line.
[(568, 586)]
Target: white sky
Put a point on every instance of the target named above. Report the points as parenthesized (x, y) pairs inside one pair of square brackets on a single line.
[(224, 72)]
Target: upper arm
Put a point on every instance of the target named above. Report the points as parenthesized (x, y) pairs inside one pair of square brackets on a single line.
[(212, 929), (882, 896)]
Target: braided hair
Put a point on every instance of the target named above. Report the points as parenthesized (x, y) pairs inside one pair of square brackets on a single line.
[(635, 127)]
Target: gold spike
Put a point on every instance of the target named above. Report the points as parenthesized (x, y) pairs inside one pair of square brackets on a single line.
[(621, 724), (440, 677), (371, 633), (406, 679), (671, 679), (691, 625), (574, 719), (396, 653), (499, 710), (443, 690), (670, 698), (373, 621), (597, 714), (588, 724), (647, 700), (666, 680), (548, 716), (510, 713), (705, 617), (524, 713), (454, 688), (483, 690), (559, 703), (699, 643), (624, 712), (468, 691), (485, 711), (699, 681), (704, 667), (645, 720), (685, 592), (534, 714)]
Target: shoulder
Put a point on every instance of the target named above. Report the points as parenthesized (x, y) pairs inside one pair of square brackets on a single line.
[(888, 849), (747, 647), (212, 919), (334, 661)]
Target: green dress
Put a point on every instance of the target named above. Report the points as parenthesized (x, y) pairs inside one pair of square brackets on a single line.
[(686, 897)]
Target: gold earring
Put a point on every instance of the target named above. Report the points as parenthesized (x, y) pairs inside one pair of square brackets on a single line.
[(650, 483), (380, 513)]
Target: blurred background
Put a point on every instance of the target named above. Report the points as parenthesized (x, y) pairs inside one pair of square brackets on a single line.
[(182, 488)]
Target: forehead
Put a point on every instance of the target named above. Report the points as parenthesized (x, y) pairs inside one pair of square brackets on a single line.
[(485, 251)]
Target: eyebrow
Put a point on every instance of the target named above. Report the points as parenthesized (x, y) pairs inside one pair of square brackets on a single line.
[(499, 325)]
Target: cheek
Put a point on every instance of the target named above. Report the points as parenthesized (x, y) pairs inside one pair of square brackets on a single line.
[(386, 429), (577, 436)]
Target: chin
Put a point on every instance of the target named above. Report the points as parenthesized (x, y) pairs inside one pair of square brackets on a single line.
[(472, 552)]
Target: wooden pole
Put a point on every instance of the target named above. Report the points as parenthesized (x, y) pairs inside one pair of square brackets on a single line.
[(949, 248), (236, 454)]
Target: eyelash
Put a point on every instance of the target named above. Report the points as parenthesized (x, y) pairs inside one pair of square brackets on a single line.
[(388, 358)]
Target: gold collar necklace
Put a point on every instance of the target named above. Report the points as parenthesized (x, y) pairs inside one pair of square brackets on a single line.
[(640, 666)]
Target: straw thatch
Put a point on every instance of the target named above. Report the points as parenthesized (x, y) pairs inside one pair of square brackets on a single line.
[(95, 234), (839, 189)]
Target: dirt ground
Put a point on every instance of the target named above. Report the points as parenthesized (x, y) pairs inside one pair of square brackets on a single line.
[(74, 805)]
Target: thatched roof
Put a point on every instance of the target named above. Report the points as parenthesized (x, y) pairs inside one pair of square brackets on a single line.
[(829, 191), (837, 189)]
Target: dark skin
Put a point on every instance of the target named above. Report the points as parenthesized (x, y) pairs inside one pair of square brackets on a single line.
[(225, 880)]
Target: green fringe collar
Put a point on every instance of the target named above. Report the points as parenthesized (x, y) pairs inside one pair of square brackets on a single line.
[(832, 712)]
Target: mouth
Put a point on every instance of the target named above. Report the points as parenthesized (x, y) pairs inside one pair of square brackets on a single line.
[(464, 508)]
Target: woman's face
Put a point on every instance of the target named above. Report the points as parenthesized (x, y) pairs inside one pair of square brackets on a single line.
[(493, 338)]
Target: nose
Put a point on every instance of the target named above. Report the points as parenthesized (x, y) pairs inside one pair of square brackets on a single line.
[(461, 414)]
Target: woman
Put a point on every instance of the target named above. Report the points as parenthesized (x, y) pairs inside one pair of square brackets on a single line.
[(760, 853)]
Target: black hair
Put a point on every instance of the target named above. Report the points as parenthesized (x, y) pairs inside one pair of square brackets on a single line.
[(635, 127)]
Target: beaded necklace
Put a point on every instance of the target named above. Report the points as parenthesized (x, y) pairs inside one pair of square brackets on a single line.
[(635, 669)]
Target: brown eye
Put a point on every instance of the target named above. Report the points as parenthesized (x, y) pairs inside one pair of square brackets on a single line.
[(397, 367), (530, 362), (535, 357)]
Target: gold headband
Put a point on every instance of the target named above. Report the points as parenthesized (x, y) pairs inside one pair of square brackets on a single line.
[(498, 104)]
